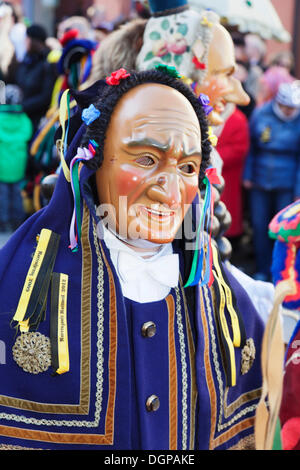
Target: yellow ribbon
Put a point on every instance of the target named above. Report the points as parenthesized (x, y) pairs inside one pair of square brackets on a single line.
[(233, 315), (63, 348), (226, 330), (30, 280)]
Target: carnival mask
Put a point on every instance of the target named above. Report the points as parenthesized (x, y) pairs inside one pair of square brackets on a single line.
[(152, 157), (202, 51), (220, 84)]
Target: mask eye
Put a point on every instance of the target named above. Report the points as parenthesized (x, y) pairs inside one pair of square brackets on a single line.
[(145, 160), (188, 169)]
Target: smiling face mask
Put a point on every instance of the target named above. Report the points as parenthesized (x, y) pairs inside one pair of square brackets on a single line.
[(152, 157)]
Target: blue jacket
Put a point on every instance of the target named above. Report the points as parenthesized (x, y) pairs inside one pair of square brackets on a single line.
[(100, 403), (274, 158)]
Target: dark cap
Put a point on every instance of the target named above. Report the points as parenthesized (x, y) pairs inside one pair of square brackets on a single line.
[(160, 7), (36, 31)]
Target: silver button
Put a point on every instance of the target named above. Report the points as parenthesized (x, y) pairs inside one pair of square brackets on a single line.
[(149, 329), (152, 403)]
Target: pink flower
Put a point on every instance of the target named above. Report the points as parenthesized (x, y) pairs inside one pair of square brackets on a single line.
[(178, 45), (117, 76)]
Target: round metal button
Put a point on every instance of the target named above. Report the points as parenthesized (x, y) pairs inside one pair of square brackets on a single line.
[(148, 329), (152, 403)]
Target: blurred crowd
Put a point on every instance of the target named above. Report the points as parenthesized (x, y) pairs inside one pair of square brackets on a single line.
[(258, 143)]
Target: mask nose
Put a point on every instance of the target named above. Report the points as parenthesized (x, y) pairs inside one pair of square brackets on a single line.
[(166, 190), (237, 94)]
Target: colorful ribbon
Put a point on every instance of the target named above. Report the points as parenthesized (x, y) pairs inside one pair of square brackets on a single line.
[(83, 154), (202, 260)]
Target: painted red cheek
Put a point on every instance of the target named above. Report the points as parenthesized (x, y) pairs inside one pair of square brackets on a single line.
[(128, 180), (190, 192)]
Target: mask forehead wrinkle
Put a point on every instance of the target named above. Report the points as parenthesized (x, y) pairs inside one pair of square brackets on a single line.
[(165, 132)]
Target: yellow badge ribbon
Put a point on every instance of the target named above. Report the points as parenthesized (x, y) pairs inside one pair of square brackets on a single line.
[(63, 348), (233, 315), (58, 324), (30, 280), (225, 331)]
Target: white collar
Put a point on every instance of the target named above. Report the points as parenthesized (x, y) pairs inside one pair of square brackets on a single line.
[(142, 279)]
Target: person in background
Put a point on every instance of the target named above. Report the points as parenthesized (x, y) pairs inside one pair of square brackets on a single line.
[(272, 172), (255, 50), (35, 75), (284, 59), (15, 132), (233, 146), (243, 70), (270, 82)]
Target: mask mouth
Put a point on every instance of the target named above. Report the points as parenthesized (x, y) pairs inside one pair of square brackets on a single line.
[(159, 215)]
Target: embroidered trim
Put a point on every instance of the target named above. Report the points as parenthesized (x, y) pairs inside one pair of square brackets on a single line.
[(194, 391), (249, 396), (12, 447), (183, 367), (173, 385)]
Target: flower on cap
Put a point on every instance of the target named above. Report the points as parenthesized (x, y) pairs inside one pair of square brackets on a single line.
[(169, 70), (69, 36), (90, 114), (117, 76), (205, 102), (186, 80), (205, 22), (212, 137), (198, 64)]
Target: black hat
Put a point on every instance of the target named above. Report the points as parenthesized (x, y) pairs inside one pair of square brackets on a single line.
[(36, 31)]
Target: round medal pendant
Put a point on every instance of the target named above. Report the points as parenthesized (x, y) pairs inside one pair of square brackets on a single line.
[(248, 356), (32, 352)]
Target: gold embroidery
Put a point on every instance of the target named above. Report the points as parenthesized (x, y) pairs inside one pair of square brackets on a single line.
[(172, 376), (248, 443), (12, 447), (245, 398)]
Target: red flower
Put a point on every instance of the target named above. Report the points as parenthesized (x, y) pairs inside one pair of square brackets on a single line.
[(117, 76), (212, 175), (198, 65)]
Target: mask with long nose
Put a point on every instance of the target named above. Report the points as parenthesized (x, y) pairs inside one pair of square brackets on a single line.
[(219, 83), (202, 51), (152, 158)]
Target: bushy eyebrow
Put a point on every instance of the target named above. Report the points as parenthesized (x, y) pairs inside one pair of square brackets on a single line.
[(147, 142)]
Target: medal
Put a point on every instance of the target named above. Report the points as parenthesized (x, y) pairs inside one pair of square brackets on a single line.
[(32, 352), (248, 356)]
